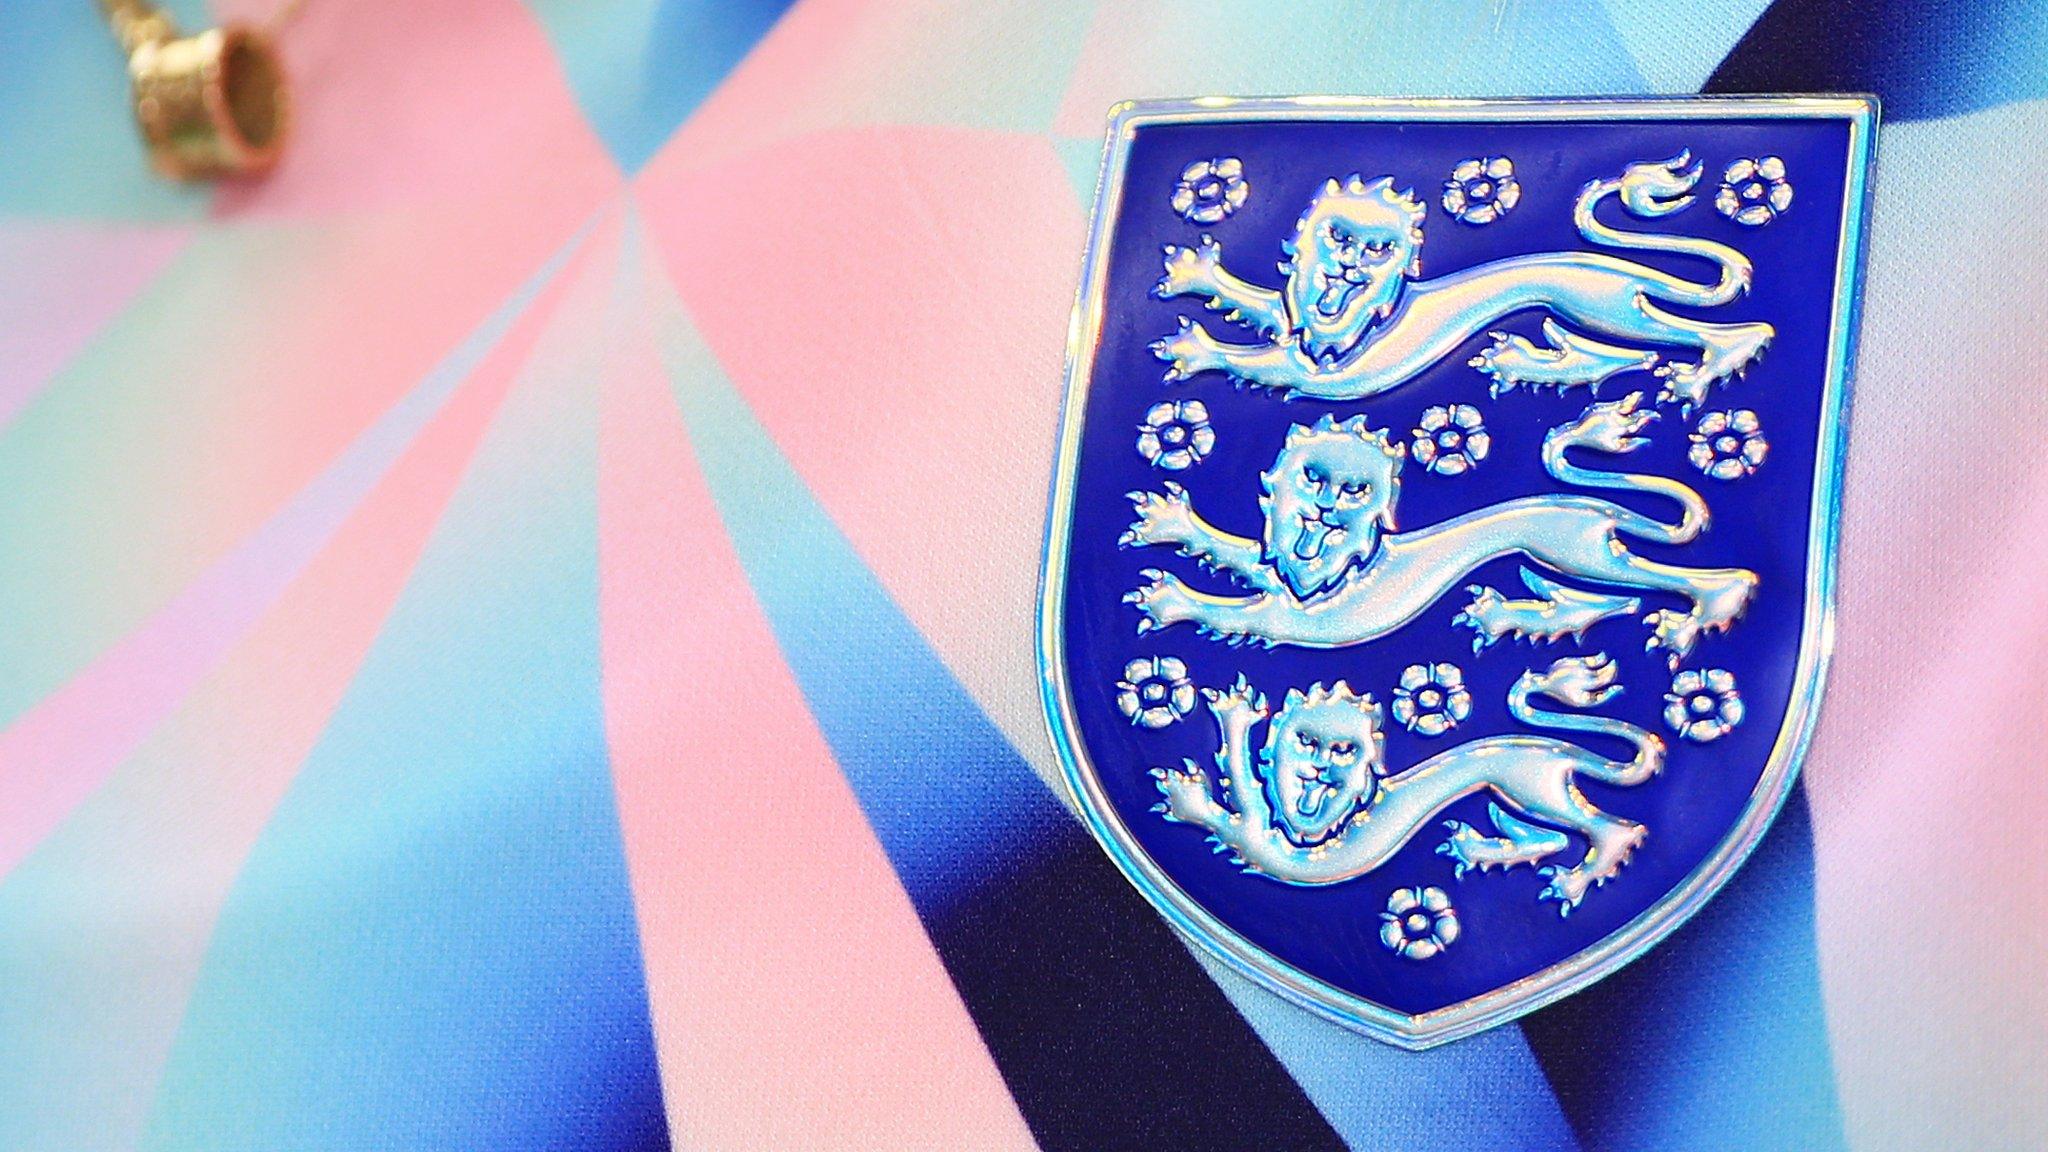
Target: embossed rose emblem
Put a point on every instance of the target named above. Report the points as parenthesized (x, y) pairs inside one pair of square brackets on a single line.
[(1483, 190), (1155, 692), (1703, 706), (1418, 923), (1176, 434), (1210, 190), (1449, 441), (1728, 445), (1754, 192), (1431, 699)]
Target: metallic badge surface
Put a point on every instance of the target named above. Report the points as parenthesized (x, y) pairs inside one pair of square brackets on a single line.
[(1440, 568)]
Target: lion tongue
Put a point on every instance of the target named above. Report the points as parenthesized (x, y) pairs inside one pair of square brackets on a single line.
[(1311, 803), (1309, 544), (1331, 302)]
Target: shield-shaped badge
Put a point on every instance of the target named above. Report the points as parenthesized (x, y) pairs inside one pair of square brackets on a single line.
[(1439, 572)]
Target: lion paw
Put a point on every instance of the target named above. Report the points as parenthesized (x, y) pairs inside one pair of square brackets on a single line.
[(1613, 846), (1519, 842), (1162, 519), (1482, 616), (1725, 603), (1568, 886), (1189, 271), (1161, 600), (1727, 353), (1462, 847), (1187, 352), (1567, 361), (1186, 792), (1673, 631), (1616, 848), (1240, 700), (1686, 385)]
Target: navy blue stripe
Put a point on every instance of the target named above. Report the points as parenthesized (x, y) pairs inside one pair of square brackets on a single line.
[(1923, 58), (1716, 1038), (1107, 1031)]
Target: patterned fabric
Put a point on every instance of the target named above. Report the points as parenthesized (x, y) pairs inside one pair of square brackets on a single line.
[(480, 666)]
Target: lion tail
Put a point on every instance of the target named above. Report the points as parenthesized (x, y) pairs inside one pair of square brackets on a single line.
[(1659, 188), (1587, 682), (1615, 427)]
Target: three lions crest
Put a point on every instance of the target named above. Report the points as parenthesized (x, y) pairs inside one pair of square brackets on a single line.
[(1287, 687)]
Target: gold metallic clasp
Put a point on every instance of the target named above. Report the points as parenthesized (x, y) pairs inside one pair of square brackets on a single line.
[(209, 105)]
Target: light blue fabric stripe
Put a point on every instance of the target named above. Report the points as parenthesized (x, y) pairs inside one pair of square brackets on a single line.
[(1677, 44), (433, 944), (640, 67), (1721, 1029), (46, 1001), (1484, 1092), (68, 144)]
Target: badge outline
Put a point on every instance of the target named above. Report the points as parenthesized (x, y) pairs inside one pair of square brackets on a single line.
[(1788, 752)]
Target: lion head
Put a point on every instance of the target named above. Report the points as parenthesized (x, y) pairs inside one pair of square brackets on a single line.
[(1348, 261), (1324, 753), (1327, 498)]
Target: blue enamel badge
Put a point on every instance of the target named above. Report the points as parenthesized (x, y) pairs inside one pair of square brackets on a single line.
[(1438, 582)]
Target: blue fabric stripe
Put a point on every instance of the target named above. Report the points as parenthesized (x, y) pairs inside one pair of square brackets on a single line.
[(1717, 1038), (68, 145), (1485, 1092), (1923, 58), (640, 67), (433, 944)]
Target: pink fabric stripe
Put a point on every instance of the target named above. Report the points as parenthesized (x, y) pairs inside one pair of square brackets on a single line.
[(924, 417), (458, 103), (1932, 871), (796, 999), (63, 282), (269, 348), (161, 845), (441, 149), (1927, 774), (57, 753)]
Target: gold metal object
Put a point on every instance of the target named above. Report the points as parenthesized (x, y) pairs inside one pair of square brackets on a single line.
[(209, 105)]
